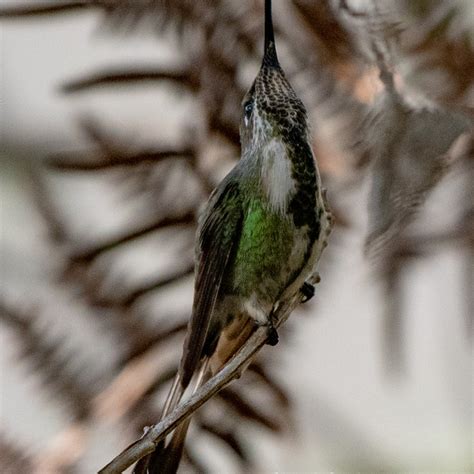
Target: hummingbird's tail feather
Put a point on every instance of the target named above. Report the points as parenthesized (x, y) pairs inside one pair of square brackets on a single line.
[(174, 396), (166, 458), (145, 465)]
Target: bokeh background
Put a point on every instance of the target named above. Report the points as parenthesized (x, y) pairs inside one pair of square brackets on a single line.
[(118, 117)]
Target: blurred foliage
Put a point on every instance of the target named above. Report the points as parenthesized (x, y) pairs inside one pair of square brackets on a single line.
[(388, 85)]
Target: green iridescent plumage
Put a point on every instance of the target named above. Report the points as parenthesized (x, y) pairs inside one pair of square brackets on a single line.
[(264, 246)]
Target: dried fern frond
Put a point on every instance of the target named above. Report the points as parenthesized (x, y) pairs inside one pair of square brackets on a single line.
[(48, 360), (409, 150), (125, 75), (14, 10)]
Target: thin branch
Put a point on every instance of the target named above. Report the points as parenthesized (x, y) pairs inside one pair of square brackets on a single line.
[(232, 370)]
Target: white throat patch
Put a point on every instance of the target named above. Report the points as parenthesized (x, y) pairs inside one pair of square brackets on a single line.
[(276, 175)]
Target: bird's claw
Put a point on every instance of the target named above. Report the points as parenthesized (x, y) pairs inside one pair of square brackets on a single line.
[(272, 336), (308, 291)]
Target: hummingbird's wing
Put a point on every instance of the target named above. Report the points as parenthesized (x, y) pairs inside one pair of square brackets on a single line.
[(219, 233)]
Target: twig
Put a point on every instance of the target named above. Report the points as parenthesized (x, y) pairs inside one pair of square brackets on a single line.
[(231, 371)]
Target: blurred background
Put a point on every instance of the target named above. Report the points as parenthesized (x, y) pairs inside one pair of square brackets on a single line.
[(118, 118)]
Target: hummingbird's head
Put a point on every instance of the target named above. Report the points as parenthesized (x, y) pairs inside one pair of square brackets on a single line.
[(271, 109)]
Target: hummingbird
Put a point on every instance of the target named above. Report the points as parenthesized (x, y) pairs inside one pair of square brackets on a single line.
[(259, 237)]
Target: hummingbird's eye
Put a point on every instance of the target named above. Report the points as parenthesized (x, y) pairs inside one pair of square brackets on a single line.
[(248, 107)]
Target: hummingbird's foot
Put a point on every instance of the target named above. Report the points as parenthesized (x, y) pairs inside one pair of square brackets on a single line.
[(308, 291), (272, 335)]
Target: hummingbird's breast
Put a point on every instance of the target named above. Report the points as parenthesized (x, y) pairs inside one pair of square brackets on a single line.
[(277, 180), (279, 244), (270, 251)]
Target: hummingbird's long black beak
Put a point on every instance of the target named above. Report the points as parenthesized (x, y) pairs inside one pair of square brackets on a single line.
[(270, 58)]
